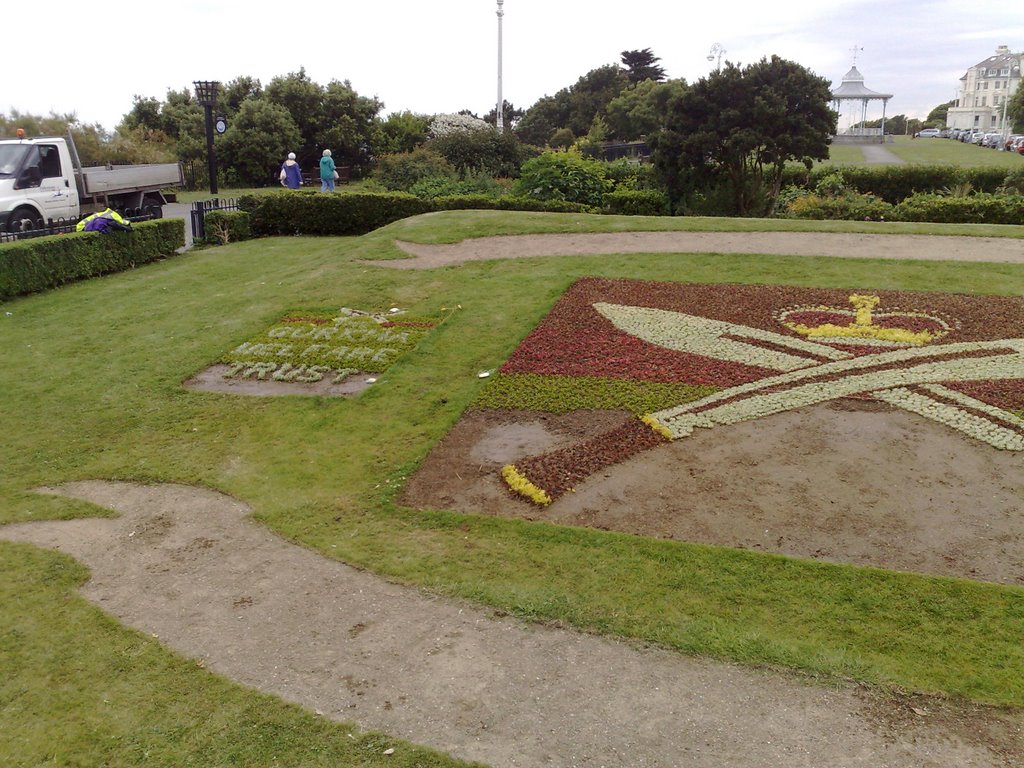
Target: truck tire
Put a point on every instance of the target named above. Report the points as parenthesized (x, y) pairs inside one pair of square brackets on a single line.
[(23, 219), (153, 207)]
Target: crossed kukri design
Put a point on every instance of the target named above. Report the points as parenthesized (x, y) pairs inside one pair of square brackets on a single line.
[(913, 379)]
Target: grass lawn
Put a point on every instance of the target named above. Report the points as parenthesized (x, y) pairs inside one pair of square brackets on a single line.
[(930, 152), (90, 388)]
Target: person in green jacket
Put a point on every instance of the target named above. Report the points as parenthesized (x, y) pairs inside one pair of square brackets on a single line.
[(327, 172)]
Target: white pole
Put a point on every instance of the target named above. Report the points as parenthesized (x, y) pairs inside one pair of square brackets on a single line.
[(500, 114)]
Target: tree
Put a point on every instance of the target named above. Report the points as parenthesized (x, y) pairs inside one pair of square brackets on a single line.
[(937, 117), (509, 114), (258, 139), (636, 112), (401, 132), (231, 96), (575, 107), (641, 65), (1015, 110), (739, 127)]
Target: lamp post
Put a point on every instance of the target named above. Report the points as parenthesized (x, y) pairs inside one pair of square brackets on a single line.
[(499, 120), (206, 94), (716, 51)]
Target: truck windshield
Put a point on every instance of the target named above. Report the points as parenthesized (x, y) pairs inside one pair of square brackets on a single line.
[(11, 158)]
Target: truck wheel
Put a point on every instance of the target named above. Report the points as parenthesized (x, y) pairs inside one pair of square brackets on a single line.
[(153, 207), (24, 219)]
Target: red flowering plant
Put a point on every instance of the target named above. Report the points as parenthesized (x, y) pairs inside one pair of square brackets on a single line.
[(684, 356)]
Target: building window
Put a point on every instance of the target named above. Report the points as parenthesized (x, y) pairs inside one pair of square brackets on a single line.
[(1004, 71), (983, 101), (984, 86)]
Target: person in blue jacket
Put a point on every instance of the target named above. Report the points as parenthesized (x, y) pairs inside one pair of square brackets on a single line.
[(327, 172), (291, 176)]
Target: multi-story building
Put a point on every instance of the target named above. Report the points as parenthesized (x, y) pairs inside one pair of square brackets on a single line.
[(985, 91)]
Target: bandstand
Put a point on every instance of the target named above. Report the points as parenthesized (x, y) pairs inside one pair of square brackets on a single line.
[(851, 100)]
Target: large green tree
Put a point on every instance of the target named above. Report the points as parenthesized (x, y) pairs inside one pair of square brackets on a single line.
[(258, 139), (737, 128), (637, 111), (937, 117), (401, 132), (642, 65), (1015, 110), (573, 108)]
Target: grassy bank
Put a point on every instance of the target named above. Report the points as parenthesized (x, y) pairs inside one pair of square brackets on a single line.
[(90, 388)]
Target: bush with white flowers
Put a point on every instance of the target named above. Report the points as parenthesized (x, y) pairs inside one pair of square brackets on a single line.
[(447, 124)]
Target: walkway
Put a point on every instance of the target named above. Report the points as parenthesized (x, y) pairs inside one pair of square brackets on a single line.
[(189, 566)]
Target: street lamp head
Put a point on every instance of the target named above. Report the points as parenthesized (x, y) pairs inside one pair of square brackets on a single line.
[(206, 91), (711, 58)]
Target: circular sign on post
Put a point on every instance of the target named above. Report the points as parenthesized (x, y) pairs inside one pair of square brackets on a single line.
[(221, 125)]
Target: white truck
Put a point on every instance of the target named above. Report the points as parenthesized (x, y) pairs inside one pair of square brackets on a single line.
[(42, 180)]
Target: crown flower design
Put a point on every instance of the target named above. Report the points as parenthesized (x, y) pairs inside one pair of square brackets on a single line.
[(862, 326)]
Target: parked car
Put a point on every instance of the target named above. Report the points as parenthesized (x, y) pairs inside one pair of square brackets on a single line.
[(966, 135), (944, 133), (1012, 140), (977, 137), (928, 133), (992, 140), (955, 133)]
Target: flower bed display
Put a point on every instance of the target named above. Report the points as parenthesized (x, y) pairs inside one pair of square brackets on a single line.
[(683, 357), (308, 346)]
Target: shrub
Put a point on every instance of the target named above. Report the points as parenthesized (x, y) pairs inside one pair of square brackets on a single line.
[(1013, 182), (850, 206), (831, 184), (442, 186), (626, 175), (483, 152), (976, 209), (400, 172), (446, 124), (564, 176), (223, 227), (637, 202)]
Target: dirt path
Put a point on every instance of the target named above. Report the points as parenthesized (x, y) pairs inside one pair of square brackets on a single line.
[(854, 246), (188, 566)]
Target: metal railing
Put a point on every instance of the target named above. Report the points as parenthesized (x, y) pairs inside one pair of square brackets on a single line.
[(201, 207), (63, 226)]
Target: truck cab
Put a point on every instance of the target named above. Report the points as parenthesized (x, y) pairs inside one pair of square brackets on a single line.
[(36, 182), (42, 180)]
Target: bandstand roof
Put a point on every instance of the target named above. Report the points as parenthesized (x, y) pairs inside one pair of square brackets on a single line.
[(853, 87)]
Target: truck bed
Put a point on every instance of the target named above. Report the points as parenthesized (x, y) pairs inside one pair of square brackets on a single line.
[(103, 180)]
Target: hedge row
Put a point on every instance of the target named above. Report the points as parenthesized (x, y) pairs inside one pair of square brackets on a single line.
[(313, 213), (983, 208), (894, 183), (28, 266)]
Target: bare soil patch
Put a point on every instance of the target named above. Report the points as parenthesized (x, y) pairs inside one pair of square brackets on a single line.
[(849, 481)]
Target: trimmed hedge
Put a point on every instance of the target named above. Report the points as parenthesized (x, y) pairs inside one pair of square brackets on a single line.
[(637, 202), (316, 213), (973, 209), (28, 266), (893, 183)]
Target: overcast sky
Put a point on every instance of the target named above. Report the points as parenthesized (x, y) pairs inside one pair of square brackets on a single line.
[(442, 56)]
